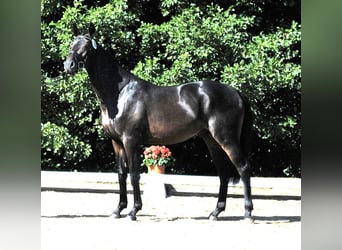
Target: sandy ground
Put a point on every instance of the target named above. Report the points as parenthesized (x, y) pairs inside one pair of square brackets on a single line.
[(81, 221)]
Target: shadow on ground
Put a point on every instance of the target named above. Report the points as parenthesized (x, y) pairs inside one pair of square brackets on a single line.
[(267, 219)]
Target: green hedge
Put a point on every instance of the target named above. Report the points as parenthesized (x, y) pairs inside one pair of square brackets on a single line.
[(239, 44)]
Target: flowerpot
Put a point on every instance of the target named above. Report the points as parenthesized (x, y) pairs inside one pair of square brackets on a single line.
[(156, 169)]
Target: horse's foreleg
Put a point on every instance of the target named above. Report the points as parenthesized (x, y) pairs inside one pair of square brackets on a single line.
[(135, 177), (132, 153), (122, 174), (123, 193)]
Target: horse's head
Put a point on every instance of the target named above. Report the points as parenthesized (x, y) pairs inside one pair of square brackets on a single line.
[(80, 49)]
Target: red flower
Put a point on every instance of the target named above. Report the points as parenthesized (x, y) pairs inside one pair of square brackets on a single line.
[(157, 155)]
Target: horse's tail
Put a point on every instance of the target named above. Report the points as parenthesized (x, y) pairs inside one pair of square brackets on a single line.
[(246, 132)]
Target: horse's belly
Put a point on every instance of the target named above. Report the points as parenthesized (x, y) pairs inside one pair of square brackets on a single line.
[(172, 132)]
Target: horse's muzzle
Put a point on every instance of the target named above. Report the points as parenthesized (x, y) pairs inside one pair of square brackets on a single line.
[(70, 66)]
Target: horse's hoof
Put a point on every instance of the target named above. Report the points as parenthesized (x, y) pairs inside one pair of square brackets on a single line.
[(116, 216), (213, 218), (131, 217), (249, 220)]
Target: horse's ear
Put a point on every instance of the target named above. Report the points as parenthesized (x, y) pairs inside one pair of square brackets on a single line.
[(91, 29), (75, 29)]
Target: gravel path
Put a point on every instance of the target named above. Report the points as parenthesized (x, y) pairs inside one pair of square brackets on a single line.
[(80, 221)]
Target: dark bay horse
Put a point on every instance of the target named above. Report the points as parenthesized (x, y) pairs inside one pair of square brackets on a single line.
[(135, 112)]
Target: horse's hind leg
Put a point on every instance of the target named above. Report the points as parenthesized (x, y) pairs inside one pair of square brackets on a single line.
[(221, 203), (235, 154), (221, 162), (229, 142)]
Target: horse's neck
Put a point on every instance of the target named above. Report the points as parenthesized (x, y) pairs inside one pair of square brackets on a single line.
[(107, 80)]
